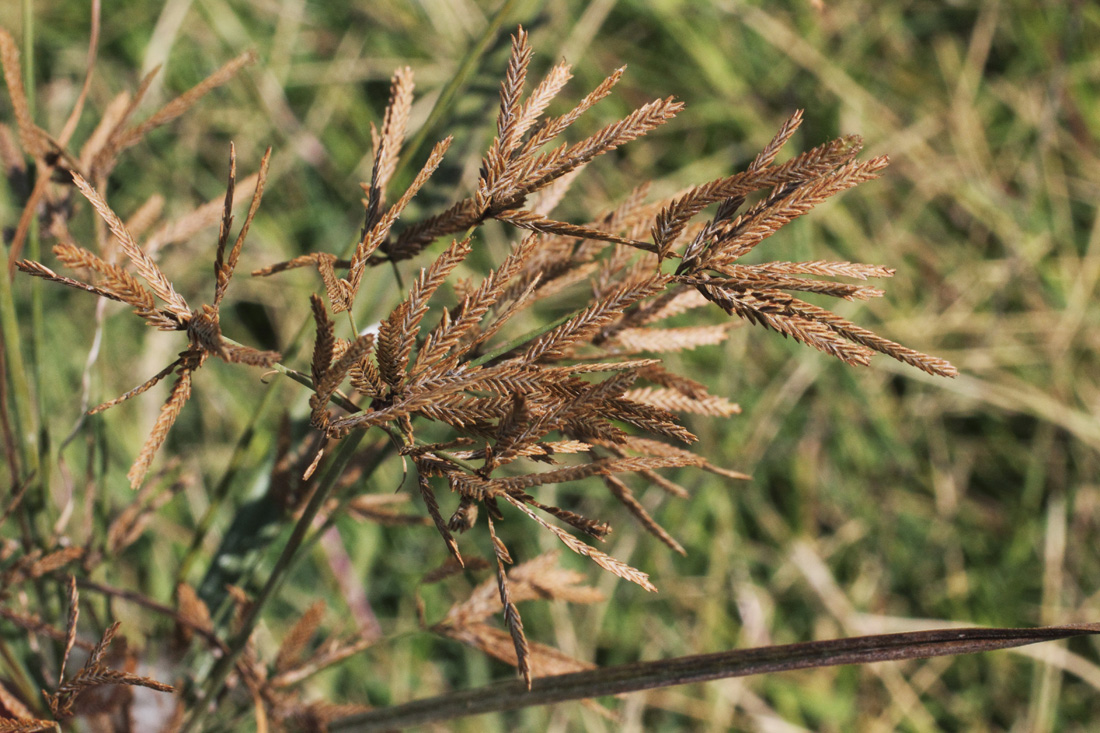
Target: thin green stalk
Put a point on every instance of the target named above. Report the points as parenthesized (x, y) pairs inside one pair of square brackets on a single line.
[(17, 674), (236, 461), (28, 53), (19, 391), (379, 452), (34, 252), (225, 664), (34, 355), (27, 402), (521, 340), (221, 489), (397, 275), (450, 92)]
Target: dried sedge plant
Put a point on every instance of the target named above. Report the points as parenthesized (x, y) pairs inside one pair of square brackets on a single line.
[(573, 389), (98, 690), (474, 403), (202, 326)]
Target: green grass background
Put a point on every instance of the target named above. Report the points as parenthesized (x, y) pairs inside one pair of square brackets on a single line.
[(881, 499)]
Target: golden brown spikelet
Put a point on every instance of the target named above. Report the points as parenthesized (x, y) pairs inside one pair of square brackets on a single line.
[(203, 216), (181, 391), (374, 237), (26, 725), (70, 627), (145, 266), (664, 340), (585, 323), (605, 561), (387, 142), (626, 497), (511, 614), (397, 334), (34, 138), (676, 401), (325, 342), (37, 563), (294, 643), (223, 266), (335, 374), (496, 163), (193, 612)]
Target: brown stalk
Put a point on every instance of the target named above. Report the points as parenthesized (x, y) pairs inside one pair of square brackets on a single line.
[(78, 107), (662, 673)]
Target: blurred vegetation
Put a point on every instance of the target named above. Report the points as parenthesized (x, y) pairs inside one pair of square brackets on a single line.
[(881, 500)]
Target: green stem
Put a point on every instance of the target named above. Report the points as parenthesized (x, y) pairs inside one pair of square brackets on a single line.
[(28, 53), (221, 490), (218, 675), (236, 461), (377, 454), (17, 376), (521, 340), (34, 355), (450, 92), (10, 340), (17, 674), (304, 379)]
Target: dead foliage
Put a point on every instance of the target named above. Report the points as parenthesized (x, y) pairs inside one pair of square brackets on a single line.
[(584, 397)]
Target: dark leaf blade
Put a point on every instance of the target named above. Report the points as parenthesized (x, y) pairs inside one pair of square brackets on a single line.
[(702, 668)]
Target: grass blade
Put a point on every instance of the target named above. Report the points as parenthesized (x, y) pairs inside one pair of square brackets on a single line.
[(702, 668)]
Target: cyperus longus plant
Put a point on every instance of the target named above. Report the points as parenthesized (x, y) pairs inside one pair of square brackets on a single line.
[(467, 381)]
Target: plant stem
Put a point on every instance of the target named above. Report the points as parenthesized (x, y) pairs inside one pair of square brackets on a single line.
[(10, 340), (17, 375), (221, 489), (521, 340), (236, 460), (450, 92), (225, 664), (28, 53), (18, 675), (34, 252), (701, 668)]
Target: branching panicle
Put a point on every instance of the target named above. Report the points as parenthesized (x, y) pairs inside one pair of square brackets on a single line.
[(477, 397)]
